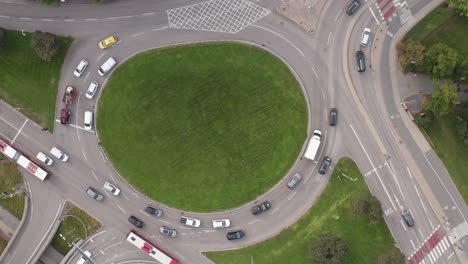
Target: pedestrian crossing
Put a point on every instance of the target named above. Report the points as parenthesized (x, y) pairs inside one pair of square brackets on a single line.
[(432, 248), (459, 232), (406, 15), (437, 252)]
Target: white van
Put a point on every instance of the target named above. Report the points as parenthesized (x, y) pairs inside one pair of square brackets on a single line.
[(88, 120), (107, 66), (44, 158), (59, 154)]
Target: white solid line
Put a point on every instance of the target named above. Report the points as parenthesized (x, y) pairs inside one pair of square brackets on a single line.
[(19, 131), (253, 222), (337, 15), (94, 174), (148, 14), (82, 128), (100, 57), (392, 171), (25, 18), (315, 73), (451, 255), (5, 16), (372, 12), (373, 167), (412, 244), (137, 34), (292, 195), (328, 40), (82, 152), (272, 212), (282, 38), (112, 246), (158, 29), (121, 209)]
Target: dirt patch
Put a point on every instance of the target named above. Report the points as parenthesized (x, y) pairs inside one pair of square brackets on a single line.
[(304, 13)]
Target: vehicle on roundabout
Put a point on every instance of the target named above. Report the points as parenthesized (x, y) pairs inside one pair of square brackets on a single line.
[(88, 120), (353, 7), (235, 235), (361, 61), (107, 42), (167, 231), (65, 115), (44, 158), (111, 188), (333, 117), (153, 211), (93, 86), (365, 37), (261, 208), (59, 154), (190, 221), (94, 194), (136, 222), (326, 162), (294, 181), (80, 68), (221, 223), (84, 260), (313, 145), (107, 66)]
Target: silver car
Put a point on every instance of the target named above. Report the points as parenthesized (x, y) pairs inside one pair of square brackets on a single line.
[(93, 193), (294, 181), (167, 231)]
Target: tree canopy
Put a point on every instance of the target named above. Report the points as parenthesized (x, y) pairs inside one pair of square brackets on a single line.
[(329, 249), (44, 44), (444, 99)]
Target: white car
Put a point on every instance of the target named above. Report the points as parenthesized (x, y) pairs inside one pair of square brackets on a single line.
[(82, 260), (221, 223), (111, 188), (365, 37), (190, 221), (44, 158), (93, 86), (88, 120), (59, 154), (80, 68)]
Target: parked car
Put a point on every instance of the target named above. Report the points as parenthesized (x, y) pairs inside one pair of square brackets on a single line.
[(190, 221), (93, 86), (95, 194), (353, 7), (408, 218), (235, 235), (136, 222), (82, 259), (326, 162), (333, 116), (111, 188), (65, 116), (44, 158), (361, 61), (261, 208), (365, 37), (153, 211), (80, 68), (221, 223), (59, 154), (167, 231), (106, 43), (294, 181)]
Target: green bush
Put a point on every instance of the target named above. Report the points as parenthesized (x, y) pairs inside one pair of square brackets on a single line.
[(329, 249)]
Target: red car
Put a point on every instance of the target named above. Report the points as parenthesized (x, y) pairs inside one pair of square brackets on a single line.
[(65, 116)]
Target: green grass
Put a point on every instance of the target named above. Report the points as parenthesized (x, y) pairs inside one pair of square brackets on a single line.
[(26, 81), (442, 25), (10, 181), (450, 149), (331, 213), (203, 127), (72, 229), (3, 244)]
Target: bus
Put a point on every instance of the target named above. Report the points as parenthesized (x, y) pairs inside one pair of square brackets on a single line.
[(150, 249)]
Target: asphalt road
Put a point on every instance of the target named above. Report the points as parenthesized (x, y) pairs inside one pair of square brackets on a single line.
[(373, 129)]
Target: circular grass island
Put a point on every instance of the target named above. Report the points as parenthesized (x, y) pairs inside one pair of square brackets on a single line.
[(203, 127)]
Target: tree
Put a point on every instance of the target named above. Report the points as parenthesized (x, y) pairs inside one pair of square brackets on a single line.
[(461, 6), (392, 256), (374, 210), (411, 53), (441, 61), (329, 249), (444, 99), (424, 120), (359, 206), (2, 39), (44, 44)]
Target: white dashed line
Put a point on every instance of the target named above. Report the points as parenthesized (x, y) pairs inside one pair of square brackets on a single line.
[(253, 222), (47, 19), (94, 174), (403, 225), (4, 17), (292, 195), (315, 73), (148, 14), (180, 255), (306, 179), (159, 29), (90, 19), (82, 152), (110, 174), (121, 209), (69, 20), (272, 212), (328, 40), (120, 17), (100, 57), (137, 34), (337, 15), (87, 75), (232, 228), (164, 221), (412, 244), (25, 18)]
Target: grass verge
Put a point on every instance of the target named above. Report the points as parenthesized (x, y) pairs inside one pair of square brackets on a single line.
[(27, 82), (330, 214), (442, 25), (72, 229), (10, 180), (203, 127)]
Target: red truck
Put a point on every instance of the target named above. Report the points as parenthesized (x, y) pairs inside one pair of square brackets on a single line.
[(68, 97)]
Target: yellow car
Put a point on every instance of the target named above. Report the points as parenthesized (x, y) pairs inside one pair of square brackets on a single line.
[(104, 44)]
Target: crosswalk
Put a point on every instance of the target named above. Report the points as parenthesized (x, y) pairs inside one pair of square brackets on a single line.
[(433, 247), (459, 232), (405, 13)]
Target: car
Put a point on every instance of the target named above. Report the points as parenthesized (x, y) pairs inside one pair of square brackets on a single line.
[(153, 211), (80, 68), (82, 259), (361, 61), (88, 120), (333, 116), (65, 116), (93, 86), (408, 218), (221, 223), (353, 7), (106, 43), (261, 208), (190, 221), (95, 194), (59, 154), (44, 158), (235, 235), (365, 37), (326, 162), (111, 188), (167, 231), (136, 222), (294, 181), (107, 66)]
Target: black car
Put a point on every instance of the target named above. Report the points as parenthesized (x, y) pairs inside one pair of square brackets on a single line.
[(235, 235), (325, 165), (408, 218), (361, 61), (136, 222), (261, 208), (333, 117), (153, 211), (65, 116), (353, 7)]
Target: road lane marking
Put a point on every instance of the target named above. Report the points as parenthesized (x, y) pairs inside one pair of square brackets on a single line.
[(272, 212), (328, 40), (451, 255), (281, 37), (186, 228), (164, 221), (87, 75), (414, 248), (307, 179), (82, 152), (126, 197), (47, 19), (95, 176), (102, 253), (159, 29), (25, 18), (100, 57), (91, 19), (148, 14), (337, 15), (121, 209), (180, 255), (4, 16), (110, 174), (392, 171), (372, 164), (420, 233), (69, 20), (138, 34), (315, 73), (372, 12), (119, 17), (409, 172), (292, 195), (253, 222), (19, 132), (232, 228), (102, 156)]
